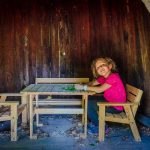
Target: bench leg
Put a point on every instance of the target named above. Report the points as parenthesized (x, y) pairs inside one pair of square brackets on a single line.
[(31, 118), (14, 118), (37, 115), (37, 121)]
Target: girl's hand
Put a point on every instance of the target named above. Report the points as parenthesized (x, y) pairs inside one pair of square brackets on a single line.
[(79, 87)]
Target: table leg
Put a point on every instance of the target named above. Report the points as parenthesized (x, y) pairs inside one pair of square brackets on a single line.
[(83, 106), (85, 114), (37, 115), (31, 117), (25, 118)]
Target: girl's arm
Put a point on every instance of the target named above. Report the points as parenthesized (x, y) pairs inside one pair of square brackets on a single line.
[(99, 89), (93, 83)]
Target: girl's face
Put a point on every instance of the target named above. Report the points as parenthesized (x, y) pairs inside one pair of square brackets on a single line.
[(103, 68)]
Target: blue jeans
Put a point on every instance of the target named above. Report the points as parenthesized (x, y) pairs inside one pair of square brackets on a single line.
[(93, 108)]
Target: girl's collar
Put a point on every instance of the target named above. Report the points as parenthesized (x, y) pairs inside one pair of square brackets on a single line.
[(108, 75)]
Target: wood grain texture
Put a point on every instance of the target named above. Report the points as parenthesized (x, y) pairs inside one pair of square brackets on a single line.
[(60, 38)]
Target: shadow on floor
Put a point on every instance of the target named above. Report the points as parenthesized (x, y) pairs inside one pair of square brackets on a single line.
[(63, 132)]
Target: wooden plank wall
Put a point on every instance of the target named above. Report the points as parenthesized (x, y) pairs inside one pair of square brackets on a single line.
[(60, 38)]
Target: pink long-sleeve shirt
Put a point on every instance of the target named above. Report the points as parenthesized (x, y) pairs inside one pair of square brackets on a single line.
[(116, 93)]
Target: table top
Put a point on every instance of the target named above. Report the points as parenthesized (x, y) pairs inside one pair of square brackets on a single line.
[(53, 89)]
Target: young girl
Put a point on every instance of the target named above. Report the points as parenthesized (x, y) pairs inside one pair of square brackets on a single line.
[(107, 81)]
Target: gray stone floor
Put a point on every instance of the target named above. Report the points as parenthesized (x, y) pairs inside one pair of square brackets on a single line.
[(63, 132)]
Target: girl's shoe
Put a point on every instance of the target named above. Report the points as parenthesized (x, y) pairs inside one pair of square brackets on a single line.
[(92, 129)]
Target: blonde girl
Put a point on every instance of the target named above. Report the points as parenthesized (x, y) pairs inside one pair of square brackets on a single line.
[(106, 81)]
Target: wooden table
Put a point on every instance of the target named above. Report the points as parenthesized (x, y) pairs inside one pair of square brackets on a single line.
[(31, 91)]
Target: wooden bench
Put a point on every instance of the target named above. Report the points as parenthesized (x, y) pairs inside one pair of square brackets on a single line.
[(10, 110), (127, 117), (59, 101)]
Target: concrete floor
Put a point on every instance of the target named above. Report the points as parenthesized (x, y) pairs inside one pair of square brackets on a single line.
[(62, 132)]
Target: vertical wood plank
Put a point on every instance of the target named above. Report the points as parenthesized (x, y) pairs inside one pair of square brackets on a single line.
[(101, 123), (14, 119), (61, 38)]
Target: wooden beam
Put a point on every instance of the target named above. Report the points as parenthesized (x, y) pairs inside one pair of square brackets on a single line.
[(58, 111)]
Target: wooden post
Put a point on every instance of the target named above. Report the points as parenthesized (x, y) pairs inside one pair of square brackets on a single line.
[(85, 114), (25, 117), (101, 123), (14, 122), (37, 115), (132, 123), (31, 115), (83, 106), (3, 98), (32, 136)]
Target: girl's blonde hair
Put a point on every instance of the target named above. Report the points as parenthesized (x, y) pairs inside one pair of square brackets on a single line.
[(108, 61)]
